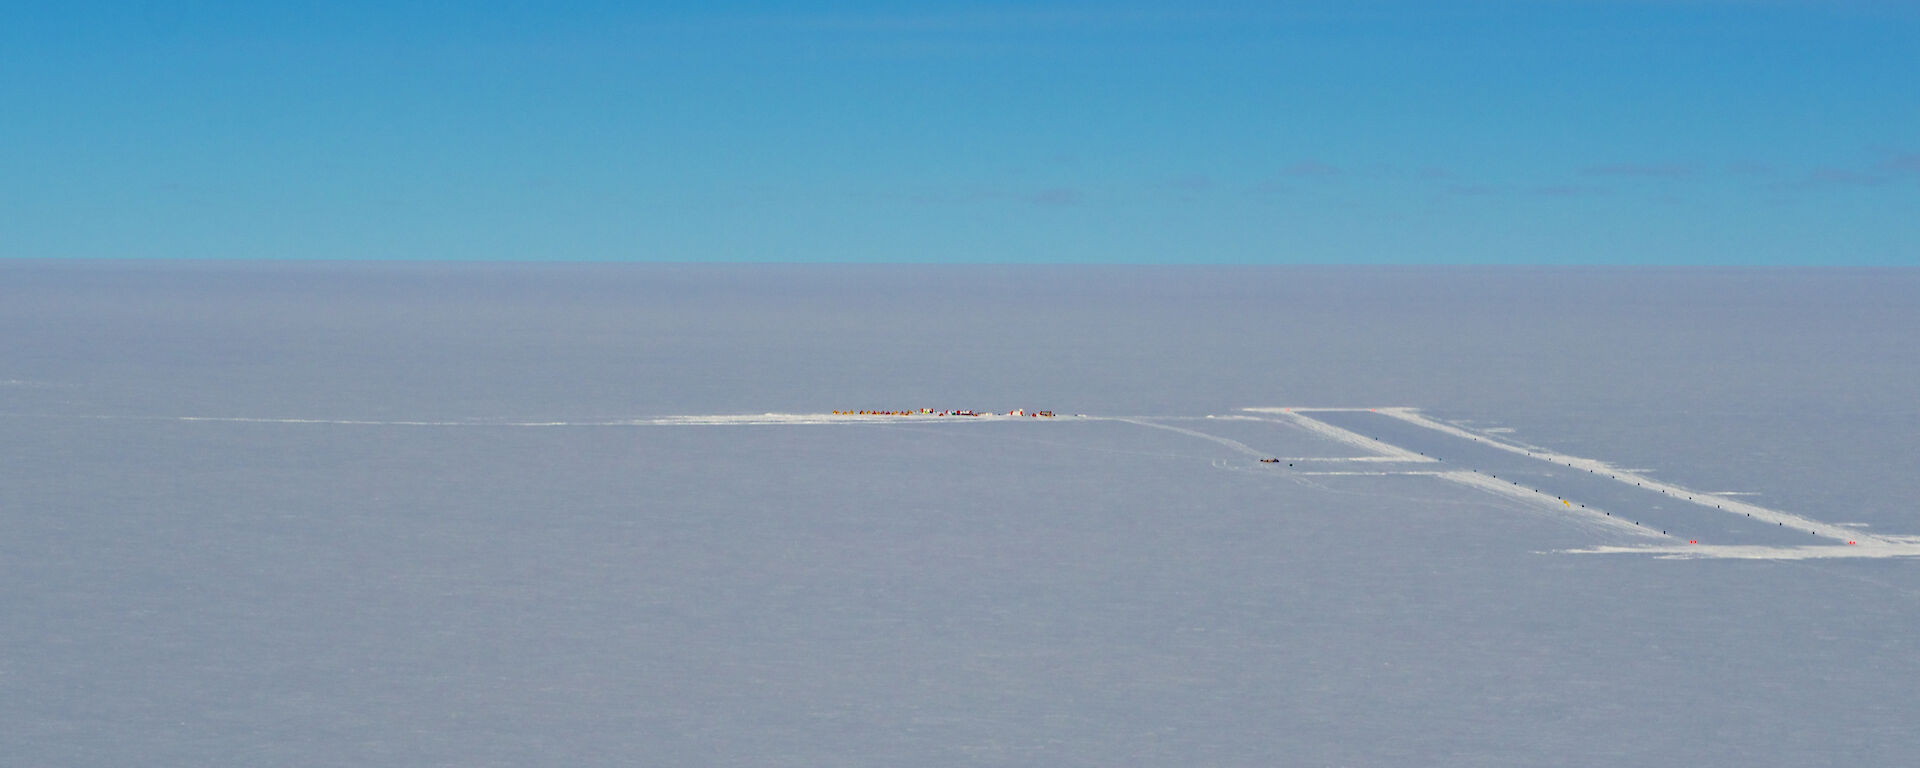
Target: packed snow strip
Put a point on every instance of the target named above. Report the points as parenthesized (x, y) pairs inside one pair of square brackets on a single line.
[(1234, 444), (1309, 408), (1593, 518), (753, 419), (1382, 451), (1857, 544), (871, 416), (380, 423), (363, 422), (1862, 550), (1372, 473), (729, 419), (838, 417), (1343, 459), (1715, 501)]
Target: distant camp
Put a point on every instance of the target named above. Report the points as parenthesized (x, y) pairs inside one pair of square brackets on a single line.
[(943, 412)]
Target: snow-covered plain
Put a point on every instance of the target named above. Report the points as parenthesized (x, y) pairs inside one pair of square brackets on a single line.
[(503, 514)]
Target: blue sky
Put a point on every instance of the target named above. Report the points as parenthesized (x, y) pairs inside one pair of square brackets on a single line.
[(1480, 131)]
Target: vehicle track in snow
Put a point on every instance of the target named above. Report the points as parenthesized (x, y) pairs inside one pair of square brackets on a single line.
[(1642, 506)]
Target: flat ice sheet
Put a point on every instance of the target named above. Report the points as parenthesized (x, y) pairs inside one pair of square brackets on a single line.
[(386, 515)]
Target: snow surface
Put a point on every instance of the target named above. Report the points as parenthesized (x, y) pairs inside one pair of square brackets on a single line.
[(507, 515)]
